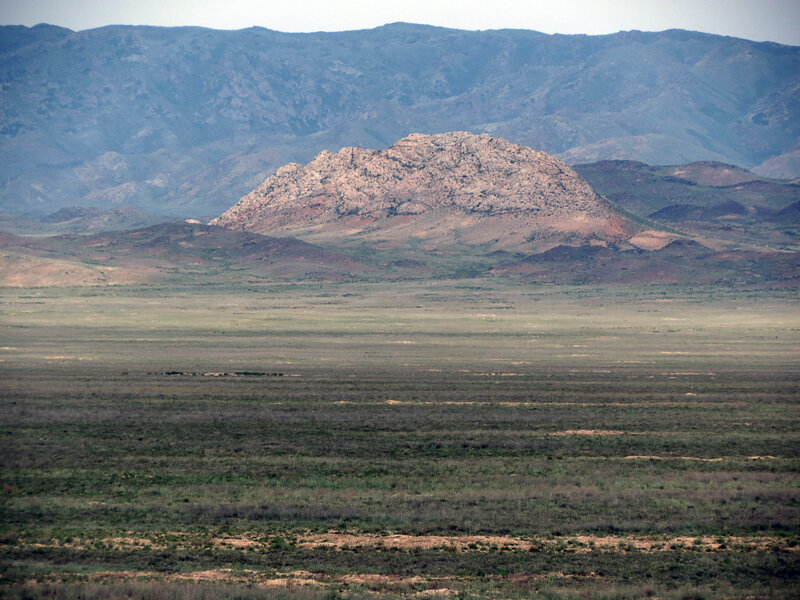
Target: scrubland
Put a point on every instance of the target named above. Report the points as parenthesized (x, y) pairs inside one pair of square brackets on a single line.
[(479, 438)]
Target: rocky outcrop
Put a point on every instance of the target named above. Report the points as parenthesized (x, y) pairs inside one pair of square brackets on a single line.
[(438, 189)]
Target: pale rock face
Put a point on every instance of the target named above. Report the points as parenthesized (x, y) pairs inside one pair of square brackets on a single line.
[(439, 189)]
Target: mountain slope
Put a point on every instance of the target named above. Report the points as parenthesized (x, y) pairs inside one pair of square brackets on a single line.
[(186, 120), (433, 190)]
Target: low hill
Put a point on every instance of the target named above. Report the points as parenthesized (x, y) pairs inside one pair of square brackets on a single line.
[(679, 262), (175, 252), (710, 173), (645, 189), (707, 200)]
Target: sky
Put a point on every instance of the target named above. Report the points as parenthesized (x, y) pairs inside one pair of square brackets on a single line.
[(759, 20)]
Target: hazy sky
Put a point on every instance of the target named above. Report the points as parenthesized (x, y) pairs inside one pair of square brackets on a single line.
[(773, 20)]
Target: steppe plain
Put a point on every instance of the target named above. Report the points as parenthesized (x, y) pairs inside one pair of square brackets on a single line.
[(482, 437), (471, 377)]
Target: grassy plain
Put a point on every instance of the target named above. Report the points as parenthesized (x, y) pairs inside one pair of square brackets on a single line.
[(476, 437)]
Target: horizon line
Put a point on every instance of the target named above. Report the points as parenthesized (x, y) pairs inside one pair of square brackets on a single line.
[(397, 23)]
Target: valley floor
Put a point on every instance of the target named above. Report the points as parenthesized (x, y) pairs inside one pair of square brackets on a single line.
[(470, 438)]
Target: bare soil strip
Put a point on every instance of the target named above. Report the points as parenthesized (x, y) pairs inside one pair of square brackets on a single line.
[(468, 543), (697, 458), (595, 432), (432, 586), (598, 403), (265, 542)]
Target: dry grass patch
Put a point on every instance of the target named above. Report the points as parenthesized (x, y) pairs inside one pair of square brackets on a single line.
[(593, 432), (341, 541)]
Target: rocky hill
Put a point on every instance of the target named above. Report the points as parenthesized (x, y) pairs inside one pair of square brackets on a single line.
[(182, 121), (432, 190)]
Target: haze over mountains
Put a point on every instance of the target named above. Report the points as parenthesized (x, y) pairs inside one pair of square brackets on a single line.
[(184, 121)]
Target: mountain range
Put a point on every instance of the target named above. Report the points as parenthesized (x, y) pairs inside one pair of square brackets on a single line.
[(184, 121)]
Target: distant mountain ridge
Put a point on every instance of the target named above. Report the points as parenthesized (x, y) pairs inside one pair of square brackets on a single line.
[(80, 219), (184, 121)]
